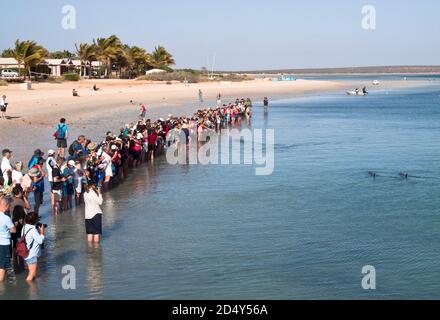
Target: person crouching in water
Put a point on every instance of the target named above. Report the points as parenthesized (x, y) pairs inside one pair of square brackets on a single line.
[(93, 213), (34, 236)]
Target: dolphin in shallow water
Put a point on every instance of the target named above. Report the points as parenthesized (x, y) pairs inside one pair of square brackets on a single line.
[(372, 174), (403, 175)]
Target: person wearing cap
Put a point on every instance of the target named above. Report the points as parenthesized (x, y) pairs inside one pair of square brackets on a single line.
[(6, 167)]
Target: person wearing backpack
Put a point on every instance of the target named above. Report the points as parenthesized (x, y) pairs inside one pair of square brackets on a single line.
[(32, 236), (61, 135)]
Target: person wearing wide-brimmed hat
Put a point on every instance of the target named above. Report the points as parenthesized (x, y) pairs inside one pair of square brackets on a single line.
[(92, 146)]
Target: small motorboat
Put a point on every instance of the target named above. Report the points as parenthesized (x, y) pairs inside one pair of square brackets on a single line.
[(376, 83), (356, 93)]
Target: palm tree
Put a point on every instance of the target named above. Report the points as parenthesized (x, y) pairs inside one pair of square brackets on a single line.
[(61, 54), (28, 53), (107, 51), (161, 58), (7, 53), (138, 59), (86, 53), (122, 60)]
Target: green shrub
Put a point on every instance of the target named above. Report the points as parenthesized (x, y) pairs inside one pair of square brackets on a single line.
[(234, 77), (71, 76)]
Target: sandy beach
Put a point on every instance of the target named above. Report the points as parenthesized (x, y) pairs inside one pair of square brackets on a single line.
[(34, 113)]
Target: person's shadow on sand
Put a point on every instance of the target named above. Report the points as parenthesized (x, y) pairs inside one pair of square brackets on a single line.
[(12, 117)]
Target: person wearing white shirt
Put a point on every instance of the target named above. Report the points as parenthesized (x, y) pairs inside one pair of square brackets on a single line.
[(93, 213), (3, 106), (6, 166), (106, 166), (34, 239), (17, 174), (79, 179), (50, 164), (6, 228)]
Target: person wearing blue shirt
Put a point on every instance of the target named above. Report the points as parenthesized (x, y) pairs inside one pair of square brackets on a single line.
[(38, 154), (6, 228)]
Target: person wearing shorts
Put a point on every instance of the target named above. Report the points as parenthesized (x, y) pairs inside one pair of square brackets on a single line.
[(3, 106), (34, 236), (93, 213), (61, 135), (6, 228), (57, 185)]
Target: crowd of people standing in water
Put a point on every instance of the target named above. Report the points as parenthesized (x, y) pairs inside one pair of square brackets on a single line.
[(79, 172)]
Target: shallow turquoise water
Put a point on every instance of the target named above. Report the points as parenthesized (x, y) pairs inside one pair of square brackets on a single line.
[(305, 232)]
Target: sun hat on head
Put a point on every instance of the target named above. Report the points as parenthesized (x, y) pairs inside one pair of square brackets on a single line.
[(114, 147), (17, 164), (91, 146), (71, 163), (34, 172), (50, 152)]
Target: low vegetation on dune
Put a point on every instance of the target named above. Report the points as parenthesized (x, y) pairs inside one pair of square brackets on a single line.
[(71, 76), (194, 76)]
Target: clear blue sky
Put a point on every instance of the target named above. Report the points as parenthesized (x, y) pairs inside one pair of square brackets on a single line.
[(244, 34)]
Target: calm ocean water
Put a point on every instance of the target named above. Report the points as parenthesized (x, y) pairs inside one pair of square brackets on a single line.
[(305, 232)]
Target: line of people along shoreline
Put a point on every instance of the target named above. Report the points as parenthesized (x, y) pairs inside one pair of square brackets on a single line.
[(78, 173)]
